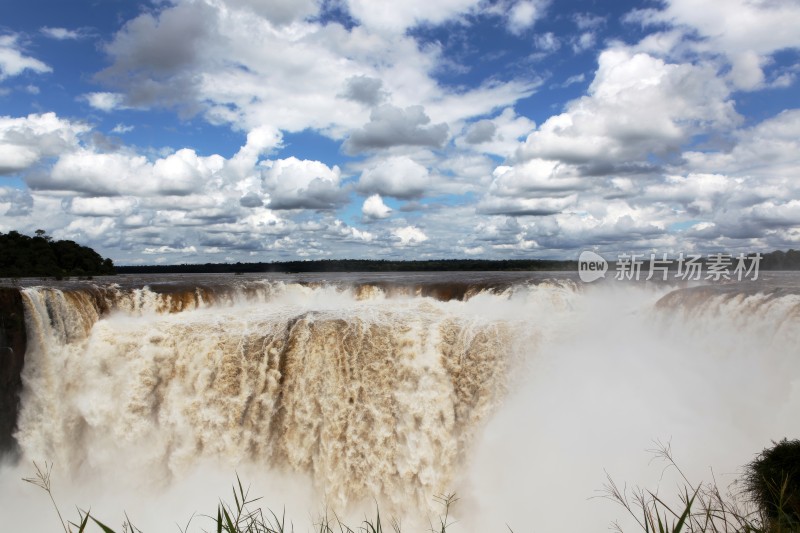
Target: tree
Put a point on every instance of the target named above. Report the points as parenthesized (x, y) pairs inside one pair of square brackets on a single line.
[(21, 255), (42, 234)]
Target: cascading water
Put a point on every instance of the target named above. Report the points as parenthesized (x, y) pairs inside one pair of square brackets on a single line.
[(372, 397), (515, 394)]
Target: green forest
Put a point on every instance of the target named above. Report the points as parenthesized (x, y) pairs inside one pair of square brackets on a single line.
[(40, 255)]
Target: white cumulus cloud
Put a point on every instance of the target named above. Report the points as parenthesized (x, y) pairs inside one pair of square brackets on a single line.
[(637, 105), (302, 184), (24, 141), (105, 101), (374, 208), (398, 176), (409, 235)]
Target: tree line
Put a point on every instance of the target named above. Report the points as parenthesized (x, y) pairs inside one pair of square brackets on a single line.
[(780, 260), (40, 255), (777, 260), (356, 265)]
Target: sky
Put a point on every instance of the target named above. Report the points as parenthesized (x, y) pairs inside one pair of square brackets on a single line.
[(193, 131)]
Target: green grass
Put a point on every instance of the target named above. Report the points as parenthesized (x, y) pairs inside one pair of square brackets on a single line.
[(772, 483), (41, 479), (765, 500), (241, 515)]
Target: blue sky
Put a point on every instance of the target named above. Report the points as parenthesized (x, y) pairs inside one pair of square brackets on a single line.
[(243, 130)]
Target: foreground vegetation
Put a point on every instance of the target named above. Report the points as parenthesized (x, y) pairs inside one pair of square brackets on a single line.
[(768, 501), (243, 515), (765, 500)]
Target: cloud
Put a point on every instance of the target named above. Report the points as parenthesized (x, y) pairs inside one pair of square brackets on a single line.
[(25, 141), (105, 101), (279, 12), (409, 235), (164, 44), (588, 21), (134, 201), (733, 195), (744, 191), (385, 16), (15, 202), (777, 214), (300, 184), (163, 47), (365, 90), (229, 62), (584, 41), (499, 135), (783, 80), (260, 141), (109, 174), (397, 176), (535, 177), (251, 199), (121, 129), (547, 42), (170, 250), (589, 25), (770, 25), (652, 156), (524, 14), (374, 208), (572, 80), (745, 32), (698, 194), (62, 34), (480, 132), (83, 229), (768, 151), (101, 206), (13, 62), (525, 206), (608, 224), (341, 231), (746, 70), (736, 196), (392, 126), (637, 106)]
